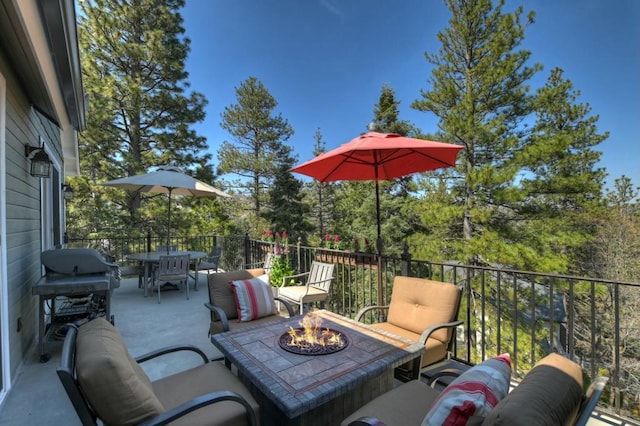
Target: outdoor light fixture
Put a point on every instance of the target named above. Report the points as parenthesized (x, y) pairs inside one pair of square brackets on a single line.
[(40, 162), (67, 192)]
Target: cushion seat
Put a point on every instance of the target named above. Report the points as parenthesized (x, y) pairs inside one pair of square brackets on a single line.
[(435, 349), (295, 293), (212, 377)]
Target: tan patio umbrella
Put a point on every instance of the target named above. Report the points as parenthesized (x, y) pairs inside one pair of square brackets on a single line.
[(167, 180), (379, 156)]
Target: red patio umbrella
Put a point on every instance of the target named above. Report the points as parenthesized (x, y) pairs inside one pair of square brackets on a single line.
[(379, 156)]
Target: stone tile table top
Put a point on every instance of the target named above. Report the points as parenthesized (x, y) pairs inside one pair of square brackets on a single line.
[(300, 384)]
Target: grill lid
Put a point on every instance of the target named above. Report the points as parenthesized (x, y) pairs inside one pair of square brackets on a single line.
[(75, 261)]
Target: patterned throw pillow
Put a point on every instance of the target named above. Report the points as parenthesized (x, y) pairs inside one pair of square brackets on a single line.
[(474, 393), (254, 299)]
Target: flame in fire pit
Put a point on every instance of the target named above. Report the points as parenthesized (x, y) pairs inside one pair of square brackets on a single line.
[(312, 339)]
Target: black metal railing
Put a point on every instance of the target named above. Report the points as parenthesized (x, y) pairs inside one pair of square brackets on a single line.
[(526, 314)]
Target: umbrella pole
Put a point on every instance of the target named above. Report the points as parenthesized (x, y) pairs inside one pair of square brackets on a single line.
[(169, 227), (379, 242)]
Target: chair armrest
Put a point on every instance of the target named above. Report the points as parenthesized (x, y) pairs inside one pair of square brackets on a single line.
[(221, 315), (367, 421), (448, 372), (425, 334), (199, 402), (591, 399), (169, 350), (366, 309), (284, 279), (286, 305)]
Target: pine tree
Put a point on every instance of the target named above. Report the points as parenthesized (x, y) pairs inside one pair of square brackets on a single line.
[(562, 183), (321, 197), (479, 93), (259, 135), (286, 210), (140, 108)]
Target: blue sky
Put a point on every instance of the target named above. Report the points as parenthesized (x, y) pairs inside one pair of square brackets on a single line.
[(325, 61)]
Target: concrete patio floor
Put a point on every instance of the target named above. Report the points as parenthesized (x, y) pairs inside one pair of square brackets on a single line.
[(38, 398)]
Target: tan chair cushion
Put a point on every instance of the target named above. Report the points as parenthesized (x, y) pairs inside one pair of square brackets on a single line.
[(221, 293), (295, 293), (116, 386), (549, 394), (406, 404), (435, 350), (416, 304), (181, 387)]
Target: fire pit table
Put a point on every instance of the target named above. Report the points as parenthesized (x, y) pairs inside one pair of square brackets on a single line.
[(315, 389)]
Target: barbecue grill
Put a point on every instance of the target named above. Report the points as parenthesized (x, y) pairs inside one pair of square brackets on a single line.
[(77, 286)]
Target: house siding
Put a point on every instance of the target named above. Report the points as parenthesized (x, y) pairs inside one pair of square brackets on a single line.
[(23, 221)]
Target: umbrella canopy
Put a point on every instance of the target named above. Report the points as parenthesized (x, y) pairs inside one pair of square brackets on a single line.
[(379, 156), (167, 180)]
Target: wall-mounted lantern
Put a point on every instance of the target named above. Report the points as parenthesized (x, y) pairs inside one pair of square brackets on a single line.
[(67, 192), (40, 162)]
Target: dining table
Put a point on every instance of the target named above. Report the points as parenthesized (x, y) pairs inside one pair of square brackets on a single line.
[(153, 257)]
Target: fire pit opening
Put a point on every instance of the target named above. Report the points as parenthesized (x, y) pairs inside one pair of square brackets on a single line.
[(312, 339)]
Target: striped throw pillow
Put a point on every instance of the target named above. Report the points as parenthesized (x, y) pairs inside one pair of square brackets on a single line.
[(254, 299), (473, 394)]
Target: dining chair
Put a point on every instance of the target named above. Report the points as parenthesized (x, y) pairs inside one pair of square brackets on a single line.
[(173, 268), (211, 262)]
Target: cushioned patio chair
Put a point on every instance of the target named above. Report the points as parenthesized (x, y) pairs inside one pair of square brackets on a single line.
[(314, 289), (549, 394), (223, 304), (105, 383), (421, 310)]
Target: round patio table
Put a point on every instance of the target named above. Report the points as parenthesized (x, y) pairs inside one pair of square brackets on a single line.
[(151, 257)]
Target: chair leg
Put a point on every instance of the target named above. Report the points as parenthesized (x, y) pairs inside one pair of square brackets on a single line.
[(158, 288), (186, 286), (195, 278)]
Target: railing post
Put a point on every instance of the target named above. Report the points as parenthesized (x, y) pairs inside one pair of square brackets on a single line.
[(298, 246), (405, 268), (247, 249), (148, 241)]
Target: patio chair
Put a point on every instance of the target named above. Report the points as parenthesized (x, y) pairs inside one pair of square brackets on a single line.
[(211, 262), (423, 311), (106, 384), (549, 394), (313, 290), (173, 268), (266, 264)]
